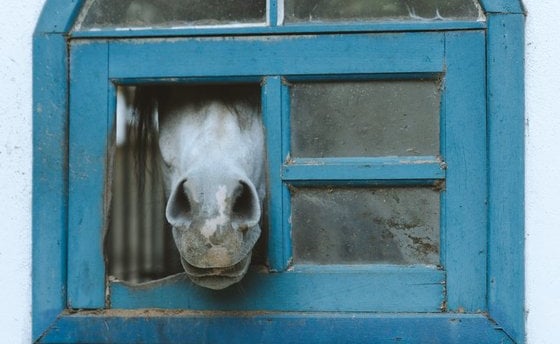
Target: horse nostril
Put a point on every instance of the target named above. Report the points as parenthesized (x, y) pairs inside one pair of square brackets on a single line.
[(178, 210), (245, 208)]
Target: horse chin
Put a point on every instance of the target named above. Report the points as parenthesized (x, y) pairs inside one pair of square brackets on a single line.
[(217, 278)]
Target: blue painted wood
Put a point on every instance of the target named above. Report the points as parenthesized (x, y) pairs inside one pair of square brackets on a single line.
[(505, 298), (190, 80), (363, 77), (394, 289), (364, 268), (88, 144), (502, 6), (271, 103), (281, 55), (285, 113), (442, 198), (391, 26), (272, 7), (385, 168), (49, 179), (286, 196), (466, 183), (58, 16), (506, 112), (193, 327)]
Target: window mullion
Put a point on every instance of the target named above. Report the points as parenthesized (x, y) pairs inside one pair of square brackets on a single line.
[(274, 18), (466, 183), (365, 169), (273, 103)]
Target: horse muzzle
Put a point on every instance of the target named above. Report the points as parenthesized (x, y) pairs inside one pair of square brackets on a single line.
[(217, 278)]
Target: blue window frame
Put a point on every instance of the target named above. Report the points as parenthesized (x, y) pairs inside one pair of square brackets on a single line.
[(474, 295)]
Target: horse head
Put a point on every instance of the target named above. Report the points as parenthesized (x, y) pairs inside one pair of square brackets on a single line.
[(212, 148)]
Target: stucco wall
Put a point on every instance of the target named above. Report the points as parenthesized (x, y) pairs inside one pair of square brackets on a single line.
[(17, 20)]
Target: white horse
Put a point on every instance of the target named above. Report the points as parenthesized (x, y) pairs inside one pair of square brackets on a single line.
[(212, 155)]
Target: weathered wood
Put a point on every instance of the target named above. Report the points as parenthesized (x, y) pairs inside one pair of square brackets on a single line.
[(272, 9), (271, 102), (50, 167), (259, 327), (88, 169), (346, 288), (279, 55), (50, 162), (381, 26), (465, 213), (506, 127), (354, 169), (502, 6), (58, 16)]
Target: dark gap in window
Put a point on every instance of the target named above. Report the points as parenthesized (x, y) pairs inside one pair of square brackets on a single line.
[(139, 244)]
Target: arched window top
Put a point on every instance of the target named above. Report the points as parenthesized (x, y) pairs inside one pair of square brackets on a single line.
[(59, 17)]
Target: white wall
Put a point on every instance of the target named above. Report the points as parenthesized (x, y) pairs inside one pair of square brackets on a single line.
[(17, 20)]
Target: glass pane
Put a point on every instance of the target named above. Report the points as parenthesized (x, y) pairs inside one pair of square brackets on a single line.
[(98, 14), (375, 118), (367, 10), (398, 225)]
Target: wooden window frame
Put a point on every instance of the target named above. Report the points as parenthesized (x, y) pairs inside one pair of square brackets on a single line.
[(488, 307)]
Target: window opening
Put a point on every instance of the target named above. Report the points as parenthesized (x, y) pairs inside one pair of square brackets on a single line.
[(139, 244)]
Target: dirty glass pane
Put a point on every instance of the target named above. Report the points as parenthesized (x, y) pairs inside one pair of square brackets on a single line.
[(373, 118), (97, 14), (297, 11), (394, 225)]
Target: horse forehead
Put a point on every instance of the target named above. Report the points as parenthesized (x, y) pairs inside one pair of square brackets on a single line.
[(193, 134), (221, 120), (213, 122)]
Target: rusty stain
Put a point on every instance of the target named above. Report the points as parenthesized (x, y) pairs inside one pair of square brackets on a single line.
[(423, 246), (439, 185), (394, 223)]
